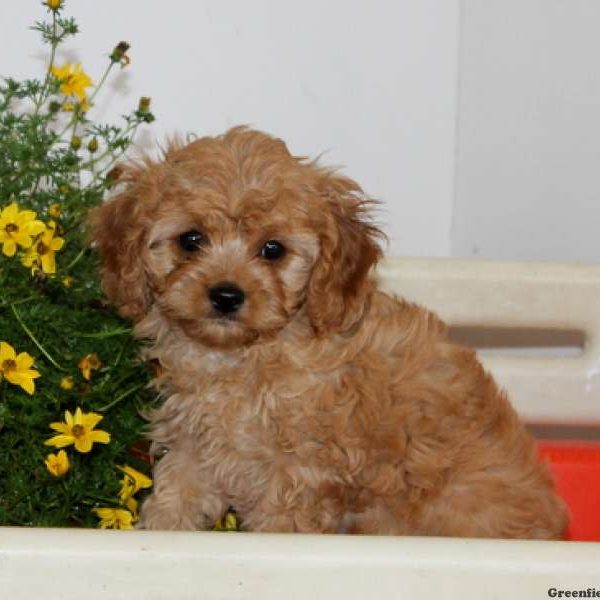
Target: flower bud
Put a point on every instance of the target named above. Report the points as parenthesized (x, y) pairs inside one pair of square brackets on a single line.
[(57, 464), (67, 383), (144, 104), (54, 106), (93, 145), (75, 142), (143, 111), (54, 211), (119, 54)]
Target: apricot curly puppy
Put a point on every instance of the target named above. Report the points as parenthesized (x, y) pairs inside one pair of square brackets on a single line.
[(293, 389)]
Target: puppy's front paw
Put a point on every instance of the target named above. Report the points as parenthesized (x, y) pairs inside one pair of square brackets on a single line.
[(169, 513), (164, 515)]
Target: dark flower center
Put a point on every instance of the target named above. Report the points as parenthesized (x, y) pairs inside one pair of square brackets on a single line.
[(11, 228), (8, 365), (78, 430)]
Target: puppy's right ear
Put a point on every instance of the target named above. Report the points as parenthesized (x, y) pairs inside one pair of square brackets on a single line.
[(117, 231)]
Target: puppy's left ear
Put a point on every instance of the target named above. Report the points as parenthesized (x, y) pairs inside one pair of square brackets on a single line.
[(117, 231), (340, 284)]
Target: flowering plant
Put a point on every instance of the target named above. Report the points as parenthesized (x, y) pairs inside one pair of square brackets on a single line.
[(63, 352)]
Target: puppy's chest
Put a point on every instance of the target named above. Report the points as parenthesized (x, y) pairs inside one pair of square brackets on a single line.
[(260, 413)]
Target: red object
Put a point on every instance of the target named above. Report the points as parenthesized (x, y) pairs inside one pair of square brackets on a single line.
[(576, 469)]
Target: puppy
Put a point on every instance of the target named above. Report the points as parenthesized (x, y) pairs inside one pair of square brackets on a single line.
[(293, 389)]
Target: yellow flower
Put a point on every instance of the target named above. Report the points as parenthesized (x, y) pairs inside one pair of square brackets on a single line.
[(67, 383), (17, 228), (73, 80), (115, 518), (41, 255), (132, 483), (89, 363), (54, 211), (229, 522), (67, 281), (82, 106), (132, 505), (78, 429), (17, 369), (53, 4), (58, 464)]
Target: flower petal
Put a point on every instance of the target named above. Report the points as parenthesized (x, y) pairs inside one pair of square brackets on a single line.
[(61, 427), (84, 444), (10, 212), (137, 480), (62, 72), (127, 489), (104, 513), (48, 263), (24, 360), (90, 420), (99, 436), (29, 373), (35, 228), (25, 382), (22, 239), (60, 441), (7, 352), (69, 419), (78, 418), (29, 259), (25, 215), (9, 248), (132, 504), (57, 244)]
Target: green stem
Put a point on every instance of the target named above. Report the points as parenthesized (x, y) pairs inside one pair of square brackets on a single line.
[(93, 500), (74, 118), (120, 353), (102, 80), (75, 260), (90, 163), (44, 90), (116, 382), (124, 395), (21, 301), (101, 335), (33, 338), (54, 45), (69, 124)]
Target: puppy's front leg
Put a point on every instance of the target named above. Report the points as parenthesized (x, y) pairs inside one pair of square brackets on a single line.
[(182, 496), (289, 505)]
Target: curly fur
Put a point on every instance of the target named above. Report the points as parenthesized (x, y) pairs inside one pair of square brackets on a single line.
[(323, 404)]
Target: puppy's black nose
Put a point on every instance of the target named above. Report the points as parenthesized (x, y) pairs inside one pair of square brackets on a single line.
[(226, 297)]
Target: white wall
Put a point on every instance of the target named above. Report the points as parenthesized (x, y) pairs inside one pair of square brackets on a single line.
[(476, 123), (528, 170), (371, 84)]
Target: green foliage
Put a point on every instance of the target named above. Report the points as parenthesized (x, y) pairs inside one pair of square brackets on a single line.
[(56, 161)]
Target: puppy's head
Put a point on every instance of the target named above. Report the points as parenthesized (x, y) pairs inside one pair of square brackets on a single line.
[(232, 237)]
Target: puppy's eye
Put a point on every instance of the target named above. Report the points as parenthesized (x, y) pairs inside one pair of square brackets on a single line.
[(272, 250), (191, 240)]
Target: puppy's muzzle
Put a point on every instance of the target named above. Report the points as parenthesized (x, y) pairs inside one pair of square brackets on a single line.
[(226, 297)]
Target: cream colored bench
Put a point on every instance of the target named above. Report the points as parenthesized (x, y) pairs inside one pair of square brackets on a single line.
[(557, 389)]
